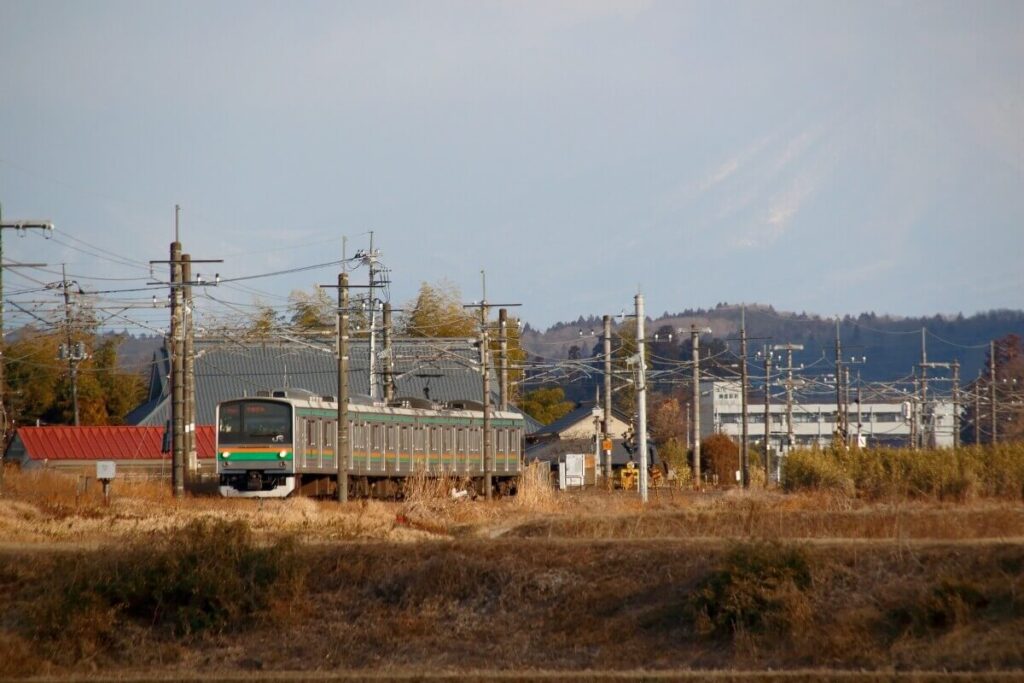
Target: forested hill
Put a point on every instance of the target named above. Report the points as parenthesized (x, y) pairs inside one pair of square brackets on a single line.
[(892, 345)]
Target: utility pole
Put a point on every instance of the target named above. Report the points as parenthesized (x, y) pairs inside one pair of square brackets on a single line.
[(744, 453), (914, 424), (606, 422), (371, 260), (789, 349), (177, 354), (342, 442), (641, 396), (767, 415), (188, 358), (977, 409), (859, 415), (926, 428), (71, 351), (846, 406), (486, 382), (503, 358), (389, 374), (839, 382), (992, 388), (177, 369), (22, 227), (695, 420), (956, 404)]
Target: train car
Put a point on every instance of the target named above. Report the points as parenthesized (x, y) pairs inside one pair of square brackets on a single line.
[(282, 442)]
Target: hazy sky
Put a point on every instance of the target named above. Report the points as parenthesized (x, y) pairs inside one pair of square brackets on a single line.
[(833, 157)]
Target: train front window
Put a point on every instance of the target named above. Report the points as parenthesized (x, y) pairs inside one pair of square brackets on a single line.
[(256, 422)]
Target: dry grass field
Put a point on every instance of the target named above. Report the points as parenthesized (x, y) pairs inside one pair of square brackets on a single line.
[(849, 580)]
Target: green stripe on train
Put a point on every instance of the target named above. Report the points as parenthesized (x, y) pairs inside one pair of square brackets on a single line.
[(258, 455)]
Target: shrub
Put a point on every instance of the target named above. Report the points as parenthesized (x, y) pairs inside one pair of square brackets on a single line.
[(206, 577), (815, 470), (720, 456), (937, 474), (756, 589)]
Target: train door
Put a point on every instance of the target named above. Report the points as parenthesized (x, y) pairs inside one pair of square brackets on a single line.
[(328, 449), (312, 443)]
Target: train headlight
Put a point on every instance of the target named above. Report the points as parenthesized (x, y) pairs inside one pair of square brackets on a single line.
[(225, 455), (283, 454)]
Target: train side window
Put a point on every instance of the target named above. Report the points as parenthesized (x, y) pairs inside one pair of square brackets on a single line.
[(435, 439), (446, 439), (329, 434), (312, 429), (418, 438), (460, 440), (404, 440)]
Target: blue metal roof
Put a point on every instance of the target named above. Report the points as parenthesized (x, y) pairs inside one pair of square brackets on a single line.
[(439, 369)]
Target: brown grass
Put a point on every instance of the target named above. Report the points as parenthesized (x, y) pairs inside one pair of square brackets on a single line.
[(556, 606), (544, 581)]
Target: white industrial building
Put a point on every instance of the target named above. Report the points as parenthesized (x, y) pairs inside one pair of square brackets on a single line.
[(875, 423)]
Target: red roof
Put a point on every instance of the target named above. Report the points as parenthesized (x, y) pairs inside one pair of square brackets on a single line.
[(105, 443)]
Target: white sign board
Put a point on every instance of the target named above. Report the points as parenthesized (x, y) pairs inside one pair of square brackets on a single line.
[(574, 467), (105, 469)]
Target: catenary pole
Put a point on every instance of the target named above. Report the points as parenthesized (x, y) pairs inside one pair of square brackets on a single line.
[(744, 453), (956, 404), (767, 415), (177, 375), (695, 419), (503, 358), (606, 422), (992, 389), (188, 358), (389, 374), (341, 456), (641, 396), (839, 384), (72, 352)]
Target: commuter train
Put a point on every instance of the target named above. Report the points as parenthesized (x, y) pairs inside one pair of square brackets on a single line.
[(281, 442)]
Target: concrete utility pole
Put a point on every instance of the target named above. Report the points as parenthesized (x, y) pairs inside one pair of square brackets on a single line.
[(641, 396), (22, 227), (486, 386), (977, 408), (71, 350), (840, 428), (177, 369), (389, 373), (846, 401), (992, 388), (789, 349), (341, 456), (177, 355), (695, 420), (767, 415), (744, 453), (188, 358), (606, 422), (859, 415), (926, 428), (914, 424), (503, 358), (956, 404)]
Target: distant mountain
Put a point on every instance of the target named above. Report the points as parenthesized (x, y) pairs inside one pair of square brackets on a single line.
[(892, 345)]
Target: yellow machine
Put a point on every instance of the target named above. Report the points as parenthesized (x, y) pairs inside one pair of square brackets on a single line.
[(628, 476)]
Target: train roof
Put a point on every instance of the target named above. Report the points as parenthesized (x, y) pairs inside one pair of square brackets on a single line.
[(364, 404)]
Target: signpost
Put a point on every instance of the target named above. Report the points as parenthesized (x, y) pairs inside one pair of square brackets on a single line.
[(106, 470)]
